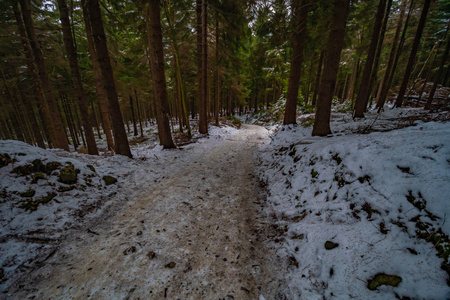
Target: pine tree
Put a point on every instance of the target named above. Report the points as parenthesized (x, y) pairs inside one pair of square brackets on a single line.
[(158, 75), (95, 19), (76, 77), (412, 55), (57, 130), (300, 9), (364, 89), (332, 54)]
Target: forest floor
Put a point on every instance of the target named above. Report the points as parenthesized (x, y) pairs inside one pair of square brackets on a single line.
[(250, 213), (198, 233)]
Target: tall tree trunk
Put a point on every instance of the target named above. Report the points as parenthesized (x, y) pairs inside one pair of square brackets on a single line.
[(101, 93), (158, 75), (16, 117), (383, 90), (318, 76), (364, 89), (412, 55), (139, 112), (31, 117), (101, 49), (376, 63), (70, 124), (179, 77), (353, 81), (333, 54), (203, 105), (76, 77), (438, 76), (308, 88), (199, 28), (39, 98), (216, 75), (57, 131), (133, 117), (95, 120), (300, 9)]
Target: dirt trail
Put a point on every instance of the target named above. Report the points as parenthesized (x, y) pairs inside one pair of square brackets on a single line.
[(206, 218)]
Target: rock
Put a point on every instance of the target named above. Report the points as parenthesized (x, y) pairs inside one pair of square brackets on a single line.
[(36, 176), (51, 166), (47, 198), (28, 194), (5, 160), (91, 167), (383, 279), (109, 180), (170, 265), (68, 175), (132, 249), (330, 245), (66, 188), (151, 255)]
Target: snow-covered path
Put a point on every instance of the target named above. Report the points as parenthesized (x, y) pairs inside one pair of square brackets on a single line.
[(197, 234)]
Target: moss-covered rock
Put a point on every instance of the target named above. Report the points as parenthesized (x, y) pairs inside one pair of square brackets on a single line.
[(32, 205), (36, 166), (36, 176), (91, 167), (383, 279), (5, 160), (47, 198), (68, 175), (330, 245), (28, 194), (65, 188), (109, 180), (52, 166)]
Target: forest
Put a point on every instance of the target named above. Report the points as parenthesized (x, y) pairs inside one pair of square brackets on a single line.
[(68, 76), (289, 125)]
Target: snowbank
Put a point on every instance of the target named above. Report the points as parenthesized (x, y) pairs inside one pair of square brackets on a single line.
[(381, 199)]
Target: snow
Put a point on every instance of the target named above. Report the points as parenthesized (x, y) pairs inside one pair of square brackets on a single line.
[(319, 187), (368, 187)]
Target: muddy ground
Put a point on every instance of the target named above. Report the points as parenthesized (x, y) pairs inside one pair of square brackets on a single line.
[(199, 233)]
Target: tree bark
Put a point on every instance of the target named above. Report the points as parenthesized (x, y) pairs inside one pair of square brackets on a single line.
[(333, 54), (353, 81), (76, 77), (139, 112), (216, 75), (158, 75), (412, 55), (57, 131), (101, 93), (98, 33), (39, 99), (438, 76), (300, 9), (133, 117), (182, 89), (376, 63), (203, 105), (364, 89), (318, 75), (381, 97), (29, 109)]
